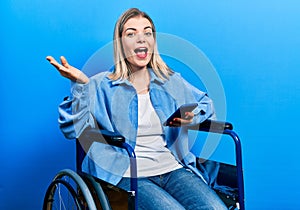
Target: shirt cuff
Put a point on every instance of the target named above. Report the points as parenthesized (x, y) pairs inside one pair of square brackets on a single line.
[(79, 90)]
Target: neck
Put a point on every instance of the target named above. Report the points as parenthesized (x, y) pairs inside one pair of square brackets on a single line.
[(140, 80)]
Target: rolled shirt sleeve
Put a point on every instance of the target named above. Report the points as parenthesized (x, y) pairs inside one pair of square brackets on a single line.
[(74, 114)]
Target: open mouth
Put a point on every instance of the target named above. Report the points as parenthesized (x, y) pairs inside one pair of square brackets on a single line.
[(141, 52)]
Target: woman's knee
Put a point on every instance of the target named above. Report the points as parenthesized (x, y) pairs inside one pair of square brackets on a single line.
[(151, 196)]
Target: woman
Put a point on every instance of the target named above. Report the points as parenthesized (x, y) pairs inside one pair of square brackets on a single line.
[(134, 100)]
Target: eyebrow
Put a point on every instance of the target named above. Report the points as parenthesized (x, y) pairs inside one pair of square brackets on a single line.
[(134, 29)]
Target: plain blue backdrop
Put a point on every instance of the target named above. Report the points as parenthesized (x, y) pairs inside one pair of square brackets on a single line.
[(253, 45)]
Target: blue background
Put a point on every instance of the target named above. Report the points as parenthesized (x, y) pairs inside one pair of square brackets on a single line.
[(254, 46)]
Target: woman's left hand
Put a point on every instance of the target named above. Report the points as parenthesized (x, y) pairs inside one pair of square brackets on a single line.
[(188, 118)]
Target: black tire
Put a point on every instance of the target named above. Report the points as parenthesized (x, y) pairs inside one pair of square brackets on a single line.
[(68, 191), (53, 201)]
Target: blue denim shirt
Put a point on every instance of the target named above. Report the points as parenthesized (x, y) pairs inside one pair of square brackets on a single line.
[(113, 106)]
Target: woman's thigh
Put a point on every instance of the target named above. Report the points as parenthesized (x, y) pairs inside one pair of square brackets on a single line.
[(152, 196), (190, 190)]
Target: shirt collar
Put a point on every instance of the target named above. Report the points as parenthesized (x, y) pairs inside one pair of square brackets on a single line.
[(153, 76), (120, 81)]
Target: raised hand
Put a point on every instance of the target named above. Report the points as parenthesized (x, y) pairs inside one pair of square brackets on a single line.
[(68, 71)]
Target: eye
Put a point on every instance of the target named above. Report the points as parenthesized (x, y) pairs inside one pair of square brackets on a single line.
[(148, 33), (130, 35)]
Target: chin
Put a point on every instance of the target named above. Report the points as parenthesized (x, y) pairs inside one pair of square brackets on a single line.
[(142, 64)]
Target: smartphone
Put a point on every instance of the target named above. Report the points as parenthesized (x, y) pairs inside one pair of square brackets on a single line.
[(180, 112)]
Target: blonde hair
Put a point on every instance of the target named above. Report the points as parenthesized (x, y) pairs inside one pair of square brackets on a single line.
[(122, 67)]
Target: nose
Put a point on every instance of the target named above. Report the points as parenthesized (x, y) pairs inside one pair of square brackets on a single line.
[(141, 38)]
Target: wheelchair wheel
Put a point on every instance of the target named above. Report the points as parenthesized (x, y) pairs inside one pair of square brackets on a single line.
[(100, 197), (68, 191)]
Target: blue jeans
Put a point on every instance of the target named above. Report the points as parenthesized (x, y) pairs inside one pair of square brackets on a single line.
[(179, 189)]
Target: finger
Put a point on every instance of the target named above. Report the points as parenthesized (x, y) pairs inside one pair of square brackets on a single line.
[(53, 62), (189, 115), (176, 123), (49, 58), (180, 121), (64, 62)]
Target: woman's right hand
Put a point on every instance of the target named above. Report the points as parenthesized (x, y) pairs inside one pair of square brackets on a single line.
[(68, 71)]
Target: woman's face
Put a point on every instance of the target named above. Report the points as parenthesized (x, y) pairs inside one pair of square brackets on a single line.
[(138, 42)]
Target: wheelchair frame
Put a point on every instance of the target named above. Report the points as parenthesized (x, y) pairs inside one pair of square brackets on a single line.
[(86, 191)]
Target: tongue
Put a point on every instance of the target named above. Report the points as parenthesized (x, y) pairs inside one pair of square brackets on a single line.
[(141, 54)]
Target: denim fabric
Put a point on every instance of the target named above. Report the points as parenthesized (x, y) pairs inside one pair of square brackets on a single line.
[(112, 106), (179, 189)]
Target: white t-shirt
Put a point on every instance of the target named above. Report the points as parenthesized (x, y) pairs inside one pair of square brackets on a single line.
[(153, 158)]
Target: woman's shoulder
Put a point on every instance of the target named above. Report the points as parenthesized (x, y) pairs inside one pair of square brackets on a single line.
[(176, 80), (175, 77), (101, 78)]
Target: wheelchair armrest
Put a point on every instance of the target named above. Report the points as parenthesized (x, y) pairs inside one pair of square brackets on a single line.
[(212, 126), (90, 135), (102, 136)]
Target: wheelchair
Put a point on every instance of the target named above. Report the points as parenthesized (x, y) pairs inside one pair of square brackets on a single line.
[(78, 190)]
